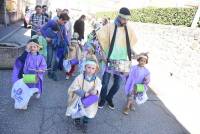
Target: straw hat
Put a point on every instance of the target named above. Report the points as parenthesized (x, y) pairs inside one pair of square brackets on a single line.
[(33, 42)]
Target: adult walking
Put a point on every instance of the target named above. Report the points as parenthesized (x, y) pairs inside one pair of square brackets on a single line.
[(57, 43), (37, 20), (44, 11), (68, 26), (117, 40), (79, 27)]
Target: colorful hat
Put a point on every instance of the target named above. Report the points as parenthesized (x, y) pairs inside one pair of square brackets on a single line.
[(92, 61), (124, 13), (143, 55), (32, 42)]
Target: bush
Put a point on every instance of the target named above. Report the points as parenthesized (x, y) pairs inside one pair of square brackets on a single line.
[(167, 16)]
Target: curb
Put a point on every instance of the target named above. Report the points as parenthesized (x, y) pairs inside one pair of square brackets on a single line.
[(9, 34)]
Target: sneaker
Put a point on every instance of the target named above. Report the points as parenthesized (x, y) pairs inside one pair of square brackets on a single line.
[(37, 95), (25, 107), (74, 74), (67, 77), (132, 108), (126, 110), (110, 104), (101, 104), (84, 128), (77, 123)]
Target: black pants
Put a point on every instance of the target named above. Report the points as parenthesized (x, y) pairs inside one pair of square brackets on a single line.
[(115, 87)]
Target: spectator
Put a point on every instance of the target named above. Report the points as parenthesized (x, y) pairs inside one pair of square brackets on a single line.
[(58, 50), (68, 27), (37, 20), (44, 11), (58, 12), (79, 26)]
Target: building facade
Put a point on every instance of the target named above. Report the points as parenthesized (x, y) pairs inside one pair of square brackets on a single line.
[(12, 11)]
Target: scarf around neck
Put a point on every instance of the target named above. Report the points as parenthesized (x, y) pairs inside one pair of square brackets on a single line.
[(117, 21), (89, 78)]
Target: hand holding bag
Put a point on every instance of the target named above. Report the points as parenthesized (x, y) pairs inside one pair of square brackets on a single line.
[(119, 65), (29, 78), (74, 61), (139, 88), (141, 98), (89, 100)]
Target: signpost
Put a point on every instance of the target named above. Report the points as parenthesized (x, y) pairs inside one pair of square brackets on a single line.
[(5, 18)]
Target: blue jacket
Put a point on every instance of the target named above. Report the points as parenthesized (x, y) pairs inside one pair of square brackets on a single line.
[(46, 31), (54, 36)]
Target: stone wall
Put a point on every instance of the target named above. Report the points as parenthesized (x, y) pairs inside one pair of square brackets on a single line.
[(174, 52)]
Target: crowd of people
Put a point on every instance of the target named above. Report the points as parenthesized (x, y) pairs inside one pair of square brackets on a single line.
[(109, 49)]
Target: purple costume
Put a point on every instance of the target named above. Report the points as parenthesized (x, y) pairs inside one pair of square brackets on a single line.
[(35, 62), (137, 75), (18, 67), (16, 70)]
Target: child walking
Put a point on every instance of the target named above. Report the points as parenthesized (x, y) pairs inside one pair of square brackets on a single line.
[(73, 57), (138, 76), (86, 87), (28, 74), (35, 64)]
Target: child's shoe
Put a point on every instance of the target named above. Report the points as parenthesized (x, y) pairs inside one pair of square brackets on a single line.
[(126, 110), (25, 107), (67, 77), (74, 74), (84, 128), (132, 108), (37, 95), (77, 123)]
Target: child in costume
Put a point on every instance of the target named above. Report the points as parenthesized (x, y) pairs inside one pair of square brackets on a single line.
[(35, 64), (73, 57), (86, 86), (138, 76), (88, 52), (29, 64), (43, 44)]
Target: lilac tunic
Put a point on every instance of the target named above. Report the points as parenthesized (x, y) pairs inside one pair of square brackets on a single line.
[(36, 62), (18, 67), (137, 75), (16, 70)]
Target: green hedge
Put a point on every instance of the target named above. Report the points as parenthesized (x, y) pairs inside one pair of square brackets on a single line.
[(167, 16)]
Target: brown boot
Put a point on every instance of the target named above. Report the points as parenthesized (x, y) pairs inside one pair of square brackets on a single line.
[(126, 110)]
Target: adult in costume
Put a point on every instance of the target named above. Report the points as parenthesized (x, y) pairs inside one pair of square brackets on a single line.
[(117, 40)]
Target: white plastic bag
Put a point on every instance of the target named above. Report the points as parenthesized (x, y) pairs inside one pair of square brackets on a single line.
[(21, 93), (67, 65), (76, 110), (141, 98), (71, 108)]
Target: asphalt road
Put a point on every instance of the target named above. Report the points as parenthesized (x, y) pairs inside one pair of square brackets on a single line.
[(47, 115)]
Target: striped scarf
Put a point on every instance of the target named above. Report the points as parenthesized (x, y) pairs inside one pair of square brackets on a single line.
[(117, 21)]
